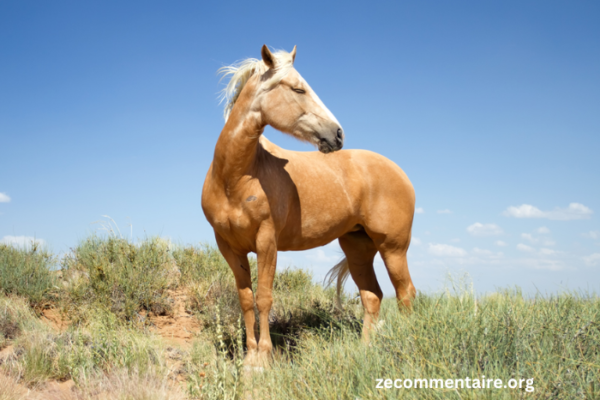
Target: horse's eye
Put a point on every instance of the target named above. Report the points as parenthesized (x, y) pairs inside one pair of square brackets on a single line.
[(299, 90)]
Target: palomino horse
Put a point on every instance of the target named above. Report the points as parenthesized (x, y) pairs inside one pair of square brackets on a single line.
[(261, 198)]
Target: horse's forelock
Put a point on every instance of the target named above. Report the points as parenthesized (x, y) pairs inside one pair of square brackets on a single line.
[(242, 71)]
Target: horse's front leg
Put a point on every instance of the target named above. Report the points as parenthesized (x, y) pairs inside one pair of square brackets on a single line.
[(241, 270), (266, 255)]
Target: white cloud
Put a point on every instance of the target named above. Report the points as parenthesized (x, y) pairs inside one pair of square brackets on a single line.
[(544, 252), (591, 235), (445, 250), (524, 247), (21, 241), (592, 260), (446, 211), (572, 212), (540, 263), (532, 239), (486, 253), (481, 252), (549, 252), (500, 243), (320, 256), (479, 229), (419, 210), (415, 241), (524, 211), (543, 230), (4, 198), (529, 237), (334, 245)]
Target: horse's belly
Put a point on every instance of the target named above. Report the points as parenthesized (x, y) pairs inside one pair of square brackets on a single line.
[(327, 207), (316, 229)]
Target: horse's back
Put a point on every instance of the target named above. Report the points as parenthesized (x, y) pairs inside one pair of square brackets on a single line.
[(370, 175), (349, 187)]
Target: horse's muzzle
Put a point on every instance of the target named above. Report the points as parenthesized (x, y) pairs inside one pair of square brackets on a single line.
[(335, 143)]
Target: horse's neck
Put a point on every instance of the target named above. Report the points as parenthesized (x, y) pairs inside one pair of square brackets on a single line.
[(236, 148)]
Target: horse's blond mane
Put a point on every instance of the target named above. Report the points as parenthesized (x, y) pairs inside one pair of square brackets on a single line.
[(242, 71)]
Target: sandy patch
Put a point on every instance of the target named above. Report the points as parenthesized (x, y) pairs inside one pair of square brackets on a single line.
[(180, 328)]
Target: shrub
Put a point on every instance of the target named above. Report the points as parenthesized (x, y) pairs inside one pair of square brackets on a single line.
[(15, 317), (118, 275), (81, 352), (27, 272)]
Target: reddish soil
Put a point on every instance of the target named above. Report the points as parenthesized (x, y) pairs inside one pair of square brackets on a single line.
[(53, 318), (180, 328), (177, 330)]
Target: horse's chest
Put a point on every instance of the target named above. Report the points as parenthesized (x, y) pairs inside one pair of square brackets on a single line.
[(237, 219)]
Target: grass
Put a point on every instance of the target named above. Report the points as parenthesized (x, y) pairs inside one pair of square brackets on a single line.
[(116, 274), (82, 353), (128, 385), (555, 341), (27, 272), (299, 304), (16, 316), (9, 390), (108, 284), (116, 385)]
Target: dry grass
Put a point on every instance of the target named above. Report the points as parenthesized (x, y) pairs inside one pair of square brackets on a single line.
[(111, 285), (10, 390), (125, 385), (16, 316)]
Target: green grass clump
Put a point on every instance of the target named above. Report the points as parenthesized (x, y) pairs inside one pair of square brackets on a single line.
[(298, 303), (16, 316), (27, 272), (83, 352), (553, 340), (114, 274), (208, 280), (108, 284)]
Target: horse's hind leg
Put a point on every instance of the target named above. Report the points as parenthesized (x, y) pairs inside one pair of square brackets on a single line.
[(394, 257), (360, 252)]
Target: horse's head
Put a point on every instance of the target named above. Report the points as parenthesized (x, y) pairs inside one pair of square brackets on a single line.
[(284, 99), (291, 106)]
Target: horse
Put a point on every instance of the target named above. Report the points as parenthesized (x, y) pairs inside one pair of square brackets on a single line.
[(261, 198)]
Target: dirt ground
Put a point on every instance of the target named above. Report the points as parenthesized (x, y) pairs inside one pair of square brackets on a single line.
[(177, 330)]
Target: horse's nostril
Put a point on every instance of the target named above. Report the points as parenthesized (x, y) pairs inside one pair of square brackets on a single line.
[(339, 138)]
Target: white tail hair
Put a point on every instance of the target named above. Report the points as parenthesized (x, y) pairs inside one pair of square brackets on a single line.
[(340, 273)]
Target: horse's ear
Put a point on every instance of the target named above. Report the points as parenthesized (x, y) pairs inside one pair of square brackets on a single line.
[(267, 56), (293, 54)]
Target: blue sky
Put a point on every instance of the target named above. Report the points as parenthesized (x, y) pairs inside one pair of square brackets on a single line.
[(110, 108)]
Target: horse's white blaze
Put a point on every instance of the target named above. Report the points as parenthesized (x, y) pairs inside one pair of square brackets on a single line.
[(317, 100)]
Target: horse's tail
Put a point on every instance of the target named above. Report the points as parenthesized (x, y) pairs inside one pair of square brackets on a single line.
[(340, 273)]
